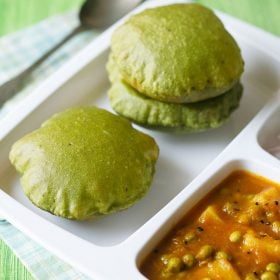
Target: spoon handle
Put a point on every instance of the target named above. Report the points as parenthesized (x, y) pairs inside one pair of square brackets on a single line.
[(11, 87)]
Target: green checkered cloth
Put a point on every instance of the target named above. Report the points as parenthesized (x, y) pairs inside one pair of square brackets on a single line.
[(40, 263), (10, 265), (20, 49), (17, 51)]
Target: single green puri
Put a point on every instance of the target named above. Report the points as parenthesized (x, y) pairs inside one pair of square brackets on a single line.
[(178, 53), (189, 117), (85, 162)]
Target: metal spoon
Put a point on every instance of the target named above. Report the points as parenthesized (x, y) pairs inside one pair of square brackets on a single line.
[(93, 14)]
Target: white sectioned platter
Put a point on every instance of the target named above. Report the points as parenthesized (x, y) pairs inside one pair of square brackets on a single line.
[(189, 166)]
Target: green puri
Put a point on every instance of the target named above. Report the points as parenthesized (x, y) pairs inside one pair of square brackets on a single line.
[(192, 117), (179, 53), (85, 162)]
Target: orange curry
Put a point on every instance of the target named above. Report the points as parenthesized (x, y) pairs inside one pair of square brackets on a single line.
[(233, 233)]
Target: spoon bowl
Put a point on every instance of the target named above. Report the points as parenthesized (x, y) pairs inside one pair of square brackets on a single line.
[(102, 13)]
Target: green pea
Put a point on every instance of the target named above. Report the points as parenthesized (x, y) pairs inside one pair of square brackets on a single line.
[(235, 236), (165, 274), (222, 255), (268, 275), (251, 276), (174, 265), (273, 267), (189, 237), (276, 227), (205, 252), (165, 258), (189, 260)]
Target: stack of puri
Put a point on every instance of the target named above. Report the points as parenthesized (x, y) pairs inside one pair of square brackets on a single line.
[(175, 67)]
